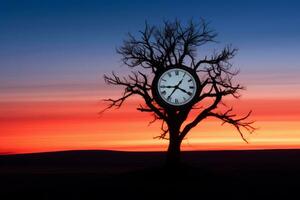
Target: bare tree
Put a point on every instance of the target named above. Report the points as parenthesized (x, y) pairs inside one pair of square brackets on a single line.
[(174, 44)]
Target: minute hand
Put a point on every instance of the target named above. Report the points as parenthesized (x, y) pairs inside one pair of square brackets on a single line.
[(183, 90), (175, 88)]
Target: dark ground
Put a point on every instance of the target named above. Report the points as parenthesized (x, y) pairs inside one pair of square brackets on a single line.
[(141, 175)]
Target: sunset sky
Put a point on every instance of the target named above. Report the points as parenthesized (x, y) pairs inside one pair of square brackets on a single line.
[(53, 55)]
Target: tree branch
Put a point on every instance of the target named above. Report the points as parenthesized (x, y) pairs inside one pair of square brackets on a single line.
[(160, 47), (238, 123), (223, 57), (135, 84)]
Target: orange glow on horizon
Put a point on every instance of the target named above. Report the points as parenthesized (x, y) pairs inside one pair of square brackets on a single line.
[(37, 126)]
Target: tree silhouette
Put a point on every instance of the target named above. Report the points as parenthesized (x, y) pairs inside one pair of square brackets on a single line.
[(175, 44)]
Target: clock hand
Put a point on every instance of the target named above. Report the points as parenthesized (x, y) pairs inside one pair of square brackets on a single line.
[(183, 90), (172, 93), (175, 88), (170, 86), (179, 83), (166, 86), (181, 80)]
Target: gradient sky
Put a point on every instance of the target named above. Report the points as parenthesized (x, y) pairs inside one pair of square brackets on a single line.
[(53, 55)]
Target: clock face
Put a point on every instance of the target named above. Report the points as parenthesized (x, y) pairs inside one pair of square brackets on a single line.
[(177, 87)]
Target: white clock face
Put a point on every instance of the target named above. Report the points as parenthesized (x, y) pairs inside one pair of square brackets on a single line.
[(177, 86)]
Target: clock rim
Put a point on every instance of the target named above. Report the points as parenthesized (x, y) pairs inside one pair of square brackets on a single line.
[(157, 97)]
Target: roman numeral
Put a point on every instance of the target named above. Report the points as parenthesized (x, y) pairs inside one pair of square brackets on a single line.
[(192, 87), (189, 80), (169, 98), (163, 79), (164, 93), (169, 74), (176, 72), (189, 93), (176, 101)]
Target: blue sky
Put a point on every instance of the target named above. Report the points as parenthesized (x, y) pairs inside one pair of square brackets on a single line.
[(47, 42)]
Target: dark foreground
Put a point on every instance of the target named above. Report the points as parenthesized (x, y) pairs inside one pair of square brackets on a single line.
[(140, 175)]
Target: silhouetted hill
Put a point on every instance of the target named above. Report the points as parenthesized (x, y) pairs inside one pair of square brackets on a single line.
[(79, 161), (141, 175)]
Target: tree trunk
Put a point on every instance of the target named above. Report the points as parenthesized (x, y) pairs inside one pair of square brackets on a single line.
[(173, 154)]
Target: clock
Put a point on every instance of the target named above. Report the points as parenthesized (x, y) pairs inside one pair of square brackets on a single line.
[(176, 87)]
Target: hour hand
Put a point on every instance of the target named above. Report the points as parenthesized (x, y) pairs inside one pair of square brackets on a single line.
[(166, 86)]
